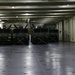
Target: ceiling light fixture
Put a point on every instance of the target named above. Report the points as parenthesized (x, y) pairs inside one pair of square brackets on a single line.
[(16, 16), (2, 22), (13, 7), (26, 14), (55, 13), (65, 5), (36, 26)]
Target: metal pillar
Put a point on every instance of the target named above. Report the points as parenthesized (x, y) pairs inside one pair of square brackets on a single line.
[(62, 30), (29, 26)]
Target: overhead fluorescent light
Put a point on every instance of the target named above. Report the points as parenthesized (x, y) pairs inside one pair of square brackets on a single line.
[(36, 26), (2, 22), (26, 14), (65, 5), (13, 7), (16, 16)]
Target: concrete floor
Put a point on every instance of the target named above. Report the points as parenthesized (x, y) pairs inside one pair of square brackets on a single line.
[(51, 59)]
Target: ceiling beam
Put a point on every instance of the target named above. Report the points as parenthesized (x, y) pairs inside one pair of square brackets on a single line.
[(26, 17), (39, 11), (45, 3)]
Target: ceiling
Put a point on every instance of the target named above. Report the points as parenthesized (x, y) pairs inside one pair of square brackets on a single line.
[(37, 11)]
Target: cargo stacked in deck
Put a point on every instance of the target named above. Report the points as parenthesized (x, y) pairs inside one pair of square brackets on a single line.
[(5, 37), (39, 36), (20, 36), (14, 37), (53, 35)]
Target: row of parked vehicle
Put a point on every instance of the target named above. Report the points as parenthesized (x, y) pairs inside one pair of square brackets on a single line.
[(21, 36), (13, 37), (44, 36)]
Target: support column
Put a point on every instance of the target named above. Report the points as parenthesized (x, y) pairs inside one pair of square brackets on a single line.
[(62, 30), (29, 26)]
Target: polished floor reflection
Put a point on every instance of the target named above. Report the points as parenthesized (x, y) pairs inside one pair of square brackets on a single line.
[(51, 59)]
